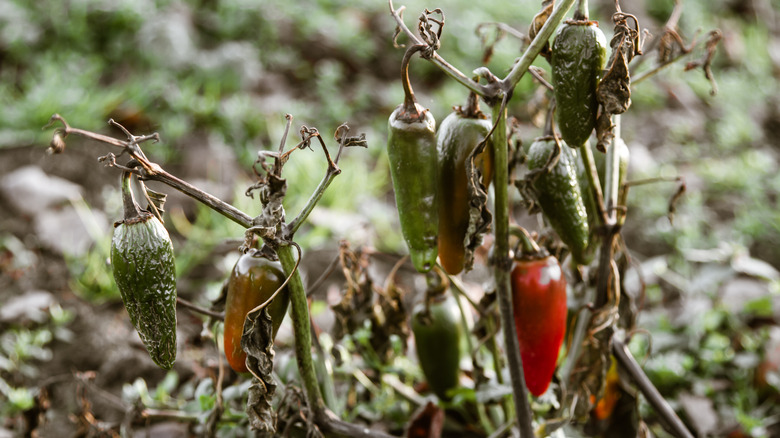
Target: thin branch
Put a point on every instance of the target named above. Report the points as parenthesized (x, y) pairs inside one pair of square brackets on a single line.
[(154, 172), (301, 328), (324, 276), (661, 406), (208, 199), (505, 28), (330, 174), (537, 74), (593, 180), (542, 37), (437, 60), (195, 308)]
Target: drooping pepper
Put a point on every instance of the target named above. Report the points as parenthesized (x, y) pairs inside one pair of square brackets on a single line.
[(559, 195), (458, 136), (539, 307), (411, 149), (577, 61), (145, 272), (253, 280), (437, 335)]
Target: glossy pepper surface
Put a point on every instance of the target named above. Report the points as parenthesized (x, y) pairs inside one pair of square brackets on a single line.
[(437, 336), (577, 60), (539, 307), (252, 282), (560, 197), (458, 135), (145, 272)]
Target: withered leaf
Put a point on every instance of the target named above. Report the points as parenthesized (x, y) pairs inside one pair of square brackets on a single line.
[(480, 217), (257, 341), (538, 21)]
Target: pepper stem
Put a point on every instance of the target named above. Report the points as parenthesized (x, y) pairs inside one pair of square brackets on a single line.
[(530, 248), (471, 110), (132, 211), (581, 14), (410, 102)]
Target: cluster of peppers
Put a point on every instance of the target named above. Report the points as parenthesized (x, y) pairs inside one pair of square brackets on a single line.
[(433, 204), (430, 178), (430, 173)]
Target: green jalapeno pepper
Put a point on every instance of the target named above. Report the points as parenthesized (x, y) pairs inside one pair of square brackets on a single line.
[(559, 195), (437, 335), (577, 61), (145, 272), (411, 149)]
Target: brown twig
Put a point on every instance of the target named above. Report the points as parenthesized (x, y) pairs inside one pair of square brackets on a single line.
[(194, 307), (324, 276), (438, 60), (656, 400), (150, 171)]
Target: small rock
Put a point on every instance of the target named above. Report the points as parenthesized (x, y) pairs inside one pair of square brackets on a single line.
[(30, 306), (30, 190), (740, 291), (65, 231)]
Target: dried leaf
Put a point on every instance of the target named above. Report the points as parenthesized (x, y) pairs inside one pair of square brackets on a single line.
[(257, 341), (480, 217), (538, 21), (57, 144), (356, 305), (428, 422), (587, 381), (614, 90)]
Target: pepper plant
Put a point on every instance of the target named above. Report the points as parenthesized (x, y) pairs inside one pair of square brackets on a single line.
[(438, 175)]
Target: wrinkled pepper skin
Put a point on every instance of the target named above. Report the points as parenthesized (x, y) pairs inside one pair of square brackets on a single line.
[(539, 307), (560, 197), (252, 281), (411, 149), (456, 139), (145, 272), (437, 340), (578, 55)]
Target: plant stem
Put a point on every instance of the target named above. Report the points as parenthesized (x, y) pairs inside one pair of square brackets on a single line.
[(296, 223), (629, 364), (593, 181), (211, 201), (195, 308), (457, 292), (610, 229), (301, 330), (502, 266), (536, 45), (582, 10), (153, 172), (580, 329), (613, 171)]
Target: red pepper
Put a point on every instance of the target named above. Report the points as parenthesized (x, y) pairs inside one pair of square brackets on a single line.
[(539, 303)]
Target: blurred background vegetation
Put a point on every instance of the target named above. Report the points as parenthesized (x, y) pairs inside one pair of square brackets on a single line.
[(215, 79)]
